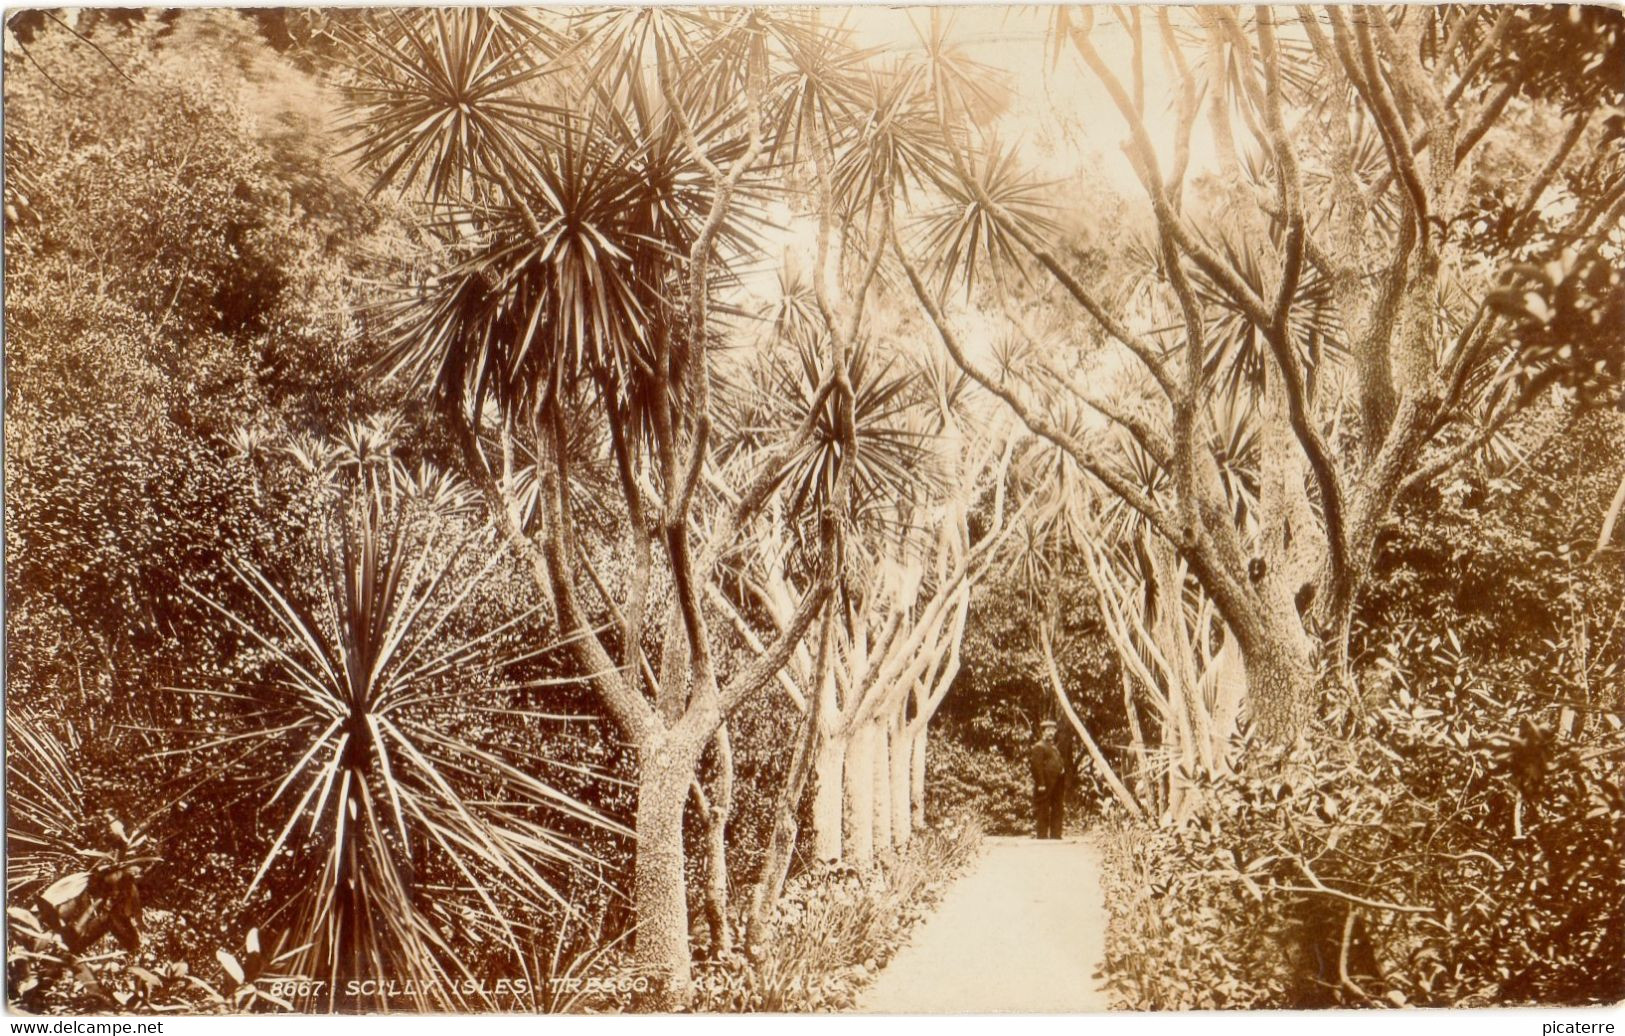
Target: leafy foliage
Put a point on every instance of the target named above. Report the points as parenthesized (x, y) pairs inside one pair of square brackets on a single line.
[(1451, 838), (835, 928), (1566, 318), (987, 783), (1562, 52), (44, 798), (1449, 856)]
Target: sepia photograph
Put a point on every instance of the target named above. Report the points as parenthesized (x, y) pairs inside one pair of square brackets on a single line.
[(880, 510)]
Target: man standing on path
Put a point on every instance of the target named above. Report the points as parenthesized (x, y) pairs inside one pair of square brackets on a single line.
[(1049, 775)]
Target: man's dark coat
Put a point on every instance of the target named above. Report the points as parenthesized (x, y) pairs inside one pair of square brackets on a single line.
[(1049, 773)]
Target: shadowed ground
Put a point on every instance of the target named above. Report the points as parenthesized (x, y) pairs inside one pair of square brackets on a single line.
[(1022, 931)]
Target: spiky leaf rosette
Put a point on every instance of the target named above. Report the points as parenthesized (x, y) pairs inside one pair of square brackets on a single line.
[(567, 198), (372, 724), (445, 99), (891, 464), (1237, 349), (966, 236)]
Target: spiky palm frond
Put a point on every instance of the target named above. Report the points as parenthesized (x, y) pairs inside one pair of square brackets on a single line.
[(1016, 357), (745, 392), (44, 798), (900, 144), (888, 456), (654, 138), (963, 234), (249, 442), (705, 52), (368, 446), (1055, 519), (404, 839), (522, 315), (586, 462), (892, 465), (965, 90), (437, 489), (1234, 445), (945, 389), (1369, 164), (313, 454), (1237, 64), (794, 314), (576, 271), (1116, 518), (1036, 553), (819, 92), (446, 96), (1031, 559), (1237, 350)]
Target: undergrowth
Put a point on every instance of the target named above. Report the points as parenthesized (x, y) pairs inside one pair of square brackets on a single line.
[(1436, 851), (836, 927)]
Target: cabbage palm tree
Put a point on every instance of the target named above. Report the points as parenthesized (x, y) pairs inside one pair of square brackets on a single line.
[(587, 183), (371, 725), (1354, 127)]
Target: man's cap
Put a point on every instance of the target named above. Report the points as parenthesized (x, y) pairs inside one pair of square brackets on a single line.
[(1048, 724)]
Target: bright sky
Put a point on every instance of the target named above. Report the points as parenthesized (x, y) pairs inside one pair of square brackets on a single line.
[(1055, 103), (1060, 119)]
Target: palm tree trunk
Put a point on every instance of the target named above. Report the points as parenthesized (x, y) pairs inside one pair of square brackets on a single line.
[(717, 809), (1144, 783), (659, 892), (860, 796), (880, 736), (1280, 684), (918, 741), (829, 767), (782, 843), (901, 754)]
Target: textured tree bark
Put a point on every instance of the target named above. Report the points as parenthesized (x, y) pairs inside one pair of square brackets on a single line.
[(716, 873), (880, 737), (783, 840), (1230, 692), (860, 797), (916, 784), (718, 809), (901, 754), (830, 769), (1280, 684), (658, 890), (1147, 789)]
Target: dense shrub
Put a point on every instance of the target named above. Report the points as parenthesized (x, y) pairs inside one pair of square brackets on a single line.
[(980, 771), (980, 737), (179, 257), (990, 784), (1475, 777), (1438, 852)]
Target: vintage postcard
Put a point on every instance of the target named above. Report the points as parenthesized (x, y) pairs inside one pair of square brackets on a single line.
[(815, 509)]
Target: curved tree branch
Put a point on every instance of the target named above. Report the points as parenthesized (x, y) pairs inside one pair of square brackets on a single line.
[(1084, 457)]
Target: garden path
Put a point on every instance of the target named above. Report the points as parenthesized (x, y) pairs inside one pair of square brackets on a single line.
[(1023, 931)]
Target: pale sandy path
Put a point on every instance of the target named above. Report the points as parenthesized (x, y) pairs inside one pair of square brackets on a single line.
[(1021, 931)]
